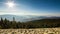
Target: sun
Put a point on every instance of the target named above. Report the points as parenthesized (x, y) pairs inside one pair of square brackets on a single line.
[(10, 4)]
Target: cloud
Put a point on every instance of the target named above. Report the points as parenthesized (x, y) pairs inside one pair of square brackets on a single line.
[(28, 13)]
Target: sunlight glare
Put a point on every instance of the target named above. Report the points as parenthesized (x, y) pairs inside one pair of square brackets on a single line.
[(10, 4)]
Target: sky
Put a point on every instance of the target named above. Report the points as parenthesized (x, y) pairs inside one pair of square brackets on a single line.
[(30, 7)]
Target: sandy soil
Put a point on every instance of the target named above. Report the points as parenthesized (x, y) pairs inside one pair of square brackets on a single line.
[(31, 31)]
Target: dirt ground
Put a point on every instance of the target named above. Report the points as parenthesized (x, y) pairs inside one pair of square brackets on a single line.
[(31, 31)]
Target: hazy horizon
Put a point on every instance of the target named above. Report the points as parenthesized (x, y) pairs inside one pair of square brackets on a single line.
[(30, 7)]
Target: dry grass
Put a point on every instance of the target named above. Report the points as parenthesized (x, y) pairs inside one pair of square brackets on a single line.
[(31, 31)]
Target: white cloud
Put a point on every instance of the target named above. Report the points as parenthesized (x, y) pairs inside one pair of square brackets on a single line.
[(14, 12)]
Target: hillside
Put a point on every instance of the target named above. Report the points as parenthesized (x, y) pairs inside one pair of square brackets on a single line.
[(42, 23), (46, 23)]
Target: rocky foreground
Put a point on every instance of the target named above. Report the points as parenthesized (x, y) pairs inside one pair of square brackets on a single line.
[(31, 31)]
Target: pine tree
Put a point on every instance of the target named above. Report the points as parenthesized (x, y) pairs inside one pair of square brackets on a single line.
[(13, 19), (1, 23), (14, 23), (1, 19)]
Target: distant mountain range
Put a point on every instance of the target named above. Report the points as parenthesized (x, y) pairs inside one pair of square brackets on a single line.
[(26, 18)]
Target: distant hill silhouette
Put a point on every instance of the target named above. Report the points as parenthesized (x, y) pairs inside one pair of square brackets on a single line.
[(25, 18), (17, 18)]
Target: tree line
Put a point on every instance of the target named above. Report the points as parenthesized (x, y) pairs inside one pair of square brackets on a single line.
[(43, 23)]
